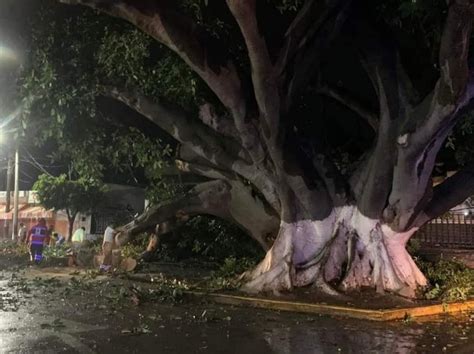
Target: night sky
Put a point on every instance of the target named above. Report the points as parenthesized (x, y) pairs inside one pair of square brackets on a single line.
[(13, 28)]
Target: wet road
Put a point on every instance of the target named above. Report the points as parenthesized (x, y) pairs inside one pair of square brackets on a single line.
[(48, 317)]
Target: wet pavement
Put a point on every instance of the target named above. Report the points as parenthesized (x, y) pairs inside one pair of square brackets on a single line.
[(104, 316)]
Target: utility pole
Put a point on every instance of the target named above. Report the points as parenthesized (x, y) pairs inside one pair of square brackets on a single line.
[(8, 191), (17, 192), (9, 182)]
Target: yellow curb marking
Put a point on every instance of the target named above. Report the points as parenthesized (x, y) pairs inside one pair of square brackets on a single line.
[(374, 315)]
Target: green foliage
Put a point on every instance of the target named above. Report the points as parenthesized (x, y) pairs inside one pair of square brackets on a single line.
[(219, 283), (127, 58), (215, 240), (75, 196), (148, 154), (13, 249), (450, 280), (135, 248), (414, 246), (73, 55), (233, 266), (225, 278), (164, 290), (55, 251)]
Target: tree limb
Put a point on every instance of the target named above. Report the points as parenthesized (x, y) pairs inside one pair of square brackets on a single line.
[(350, 102), (231, 202), (380, 59), (263, 74), (220, 124), (296, 34), (453, 191), (202, 170), (202, 141), (265, 183), (454, 52), (204, 198), (388, 167), (180, 126), (161, 20), (454, 89)]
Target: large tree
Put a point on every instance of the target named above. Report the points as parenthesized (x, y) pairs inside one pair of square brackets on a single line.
[(320, 224)]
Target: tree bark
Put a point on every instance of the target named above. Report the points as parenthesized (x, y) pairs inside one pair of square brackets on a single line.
[(71, 217)]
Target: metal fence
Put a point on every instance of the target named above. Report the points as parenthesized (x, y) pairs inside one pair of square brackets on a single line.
[(451, 231)]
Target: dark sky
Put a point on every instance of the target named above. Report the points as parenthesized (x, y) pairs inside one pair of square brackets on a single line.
[(13, 25), (14, 16)]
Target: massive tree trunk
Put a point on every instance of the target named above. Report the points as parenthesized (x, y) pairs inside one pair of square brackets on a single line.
[(329, 229)]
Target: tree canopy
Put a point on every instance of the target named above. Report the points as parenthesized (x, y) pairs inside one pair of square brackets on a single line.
[(316, 125), (72, 196)]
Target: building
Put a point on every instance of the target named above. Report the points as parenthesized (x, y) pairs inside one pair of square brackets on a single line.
[(120, 203)]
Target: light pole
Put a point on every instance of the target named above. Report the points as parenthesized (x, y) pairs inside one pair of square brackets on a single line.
[(9, 65), (10, 168), (8, 196), (16, 193)]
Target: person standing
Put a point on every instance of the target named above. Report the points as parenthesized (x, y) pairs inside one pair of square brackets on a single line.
[(107, 247), (22, 233), (79, 236), (37, 239), (77, 239)]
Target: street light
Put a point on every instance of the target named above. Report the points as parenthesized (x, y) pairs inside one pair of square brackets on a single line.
[(8, 55)]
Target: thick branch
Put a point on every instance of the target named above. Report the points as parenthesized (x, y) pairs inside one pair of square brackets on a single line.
[(454, 89), (204, 198), (263, 74), (262, 181), (453, 191), (232, 202), (380, 59), (220, 124), (313, 13), (161, 20), (202, 170), (180, 126), (181, 167), (350, 102), (454, 52)]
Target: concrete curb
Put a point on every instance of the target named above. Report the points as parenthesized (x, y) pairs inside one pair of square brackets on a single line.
[(322, 309)]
